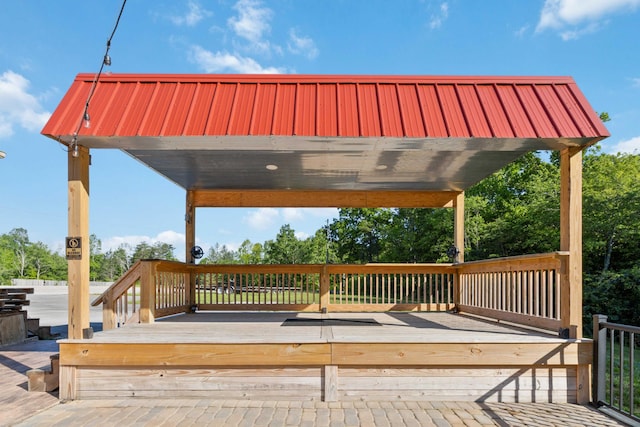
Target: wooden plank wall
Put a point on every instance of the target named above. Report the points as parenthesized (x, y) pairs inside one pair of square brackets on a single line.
[(542, 384)]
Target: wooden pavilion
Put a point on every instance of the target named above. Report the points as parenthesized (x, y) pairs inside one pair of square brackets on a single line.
[(408, 331)]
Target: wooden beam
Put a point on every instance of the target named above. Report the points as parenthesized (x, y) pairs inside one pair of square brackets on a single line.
[(323, 198), (571, 240), (78, 226)]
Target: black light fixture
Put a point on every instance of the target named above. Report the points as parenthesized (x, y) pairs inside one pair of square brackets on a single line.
[(453, 253), (107, 60)]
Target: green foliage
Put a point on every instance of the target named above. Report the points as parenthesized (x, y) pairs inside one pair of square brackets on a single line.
[(616, 294), (611, 200)]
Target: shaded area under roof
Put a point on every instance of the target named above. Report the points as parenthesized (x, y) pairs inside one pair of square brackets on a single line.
[(321, 132)]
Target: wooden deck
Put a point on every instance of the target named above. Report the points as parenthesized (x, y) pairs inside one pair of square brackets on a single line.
[(334, 356)]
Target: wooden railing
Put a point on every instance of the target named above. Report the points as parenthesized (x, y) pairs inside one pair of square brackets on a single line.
[(257, 287), (523, 289), (121, 301), (385, 287)]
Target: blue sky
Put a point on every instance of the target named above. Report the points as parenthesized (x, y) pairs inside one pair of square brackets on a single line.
[(44, 44)]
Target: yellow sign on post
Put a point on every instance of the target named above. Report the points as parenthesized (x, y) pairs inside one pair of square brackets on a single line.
[(74, 248)]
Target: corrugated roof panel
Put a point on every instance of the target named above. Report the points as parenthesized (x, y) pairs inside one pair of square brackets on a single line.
[(494, 110), (66, 117), (242, 112), (179, 109), (305, 114), (410, 111), (263, 109), (390, 120), (196, 120), (218, 122), (284, 110), (111, 110), (432, 111), (520, 121), (556, 110), (348, 110), (584, 125), (452, 111), (536, 111), (353, 106), (157, 110), (472, 109), (138, 104), (584, 113), (326, 111), (99, 109), (368, 109)]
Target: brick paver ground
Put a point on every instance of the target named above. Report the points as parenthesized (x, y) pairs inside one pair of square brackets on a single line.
[(199, 412), (21, 408)]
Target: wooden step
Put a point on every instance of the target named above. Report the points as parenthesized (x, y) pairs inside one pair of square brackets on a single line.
[(45, 381)]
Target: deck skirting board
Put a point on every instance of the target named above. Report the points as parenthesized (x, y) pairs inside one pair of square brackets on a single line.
[(332, 383), (330, 357)]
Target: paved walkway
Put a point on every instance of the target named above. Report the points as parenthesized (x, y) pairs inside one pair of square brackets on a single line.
[(132, 412), (21, 408)]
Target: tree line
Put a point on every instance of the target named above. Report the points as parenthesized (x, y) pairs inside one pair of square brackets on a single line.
[(512, 212)]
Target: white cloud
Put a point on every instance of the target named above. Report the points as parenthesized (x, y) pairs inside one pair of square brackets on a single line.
[(301, 45), (521, 31), (194, 14), (292, 214), (628, 146), (18, 107), (438, 18), (301, 235), (217, 62), (252, 21), (585, 16), (635, 82), (262, 219)]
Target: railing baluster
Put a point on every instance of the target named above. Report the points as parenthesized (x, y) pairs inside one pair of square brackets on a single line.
[(621, 374), (632, 362)]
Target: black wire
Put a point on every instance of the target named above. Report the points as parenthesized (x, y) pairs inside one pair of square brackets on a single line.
[(97, 77)]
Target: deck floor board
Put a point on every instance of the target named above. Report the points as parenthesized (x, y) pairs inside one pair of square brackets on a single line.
[(278, 327)]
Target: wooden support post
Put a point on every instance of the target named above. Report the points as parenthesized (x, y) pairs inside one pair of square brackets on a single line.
[(190, 242), (330, 383), (571, 241), (458, 225), (148, 293), (324, 289), (78, 265), (68, 389), (108, 311)]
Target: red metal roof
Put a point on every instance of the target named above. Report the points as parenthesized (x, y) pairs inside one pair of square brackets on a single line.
[(149, 105)]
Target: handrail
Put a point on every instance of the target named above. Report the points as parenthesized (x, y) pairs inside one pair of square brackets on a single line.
[(122, 284), (124, 301), (614, 393)]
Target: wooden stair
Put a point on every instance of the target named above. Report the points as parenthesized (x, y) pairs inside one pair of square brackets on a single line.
[(45, 381)]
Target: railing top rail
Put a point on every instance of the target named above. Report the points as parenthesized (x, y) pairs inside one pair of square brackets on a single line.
[(620, 327), (390, 268), (531, 257), (122, 284)]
